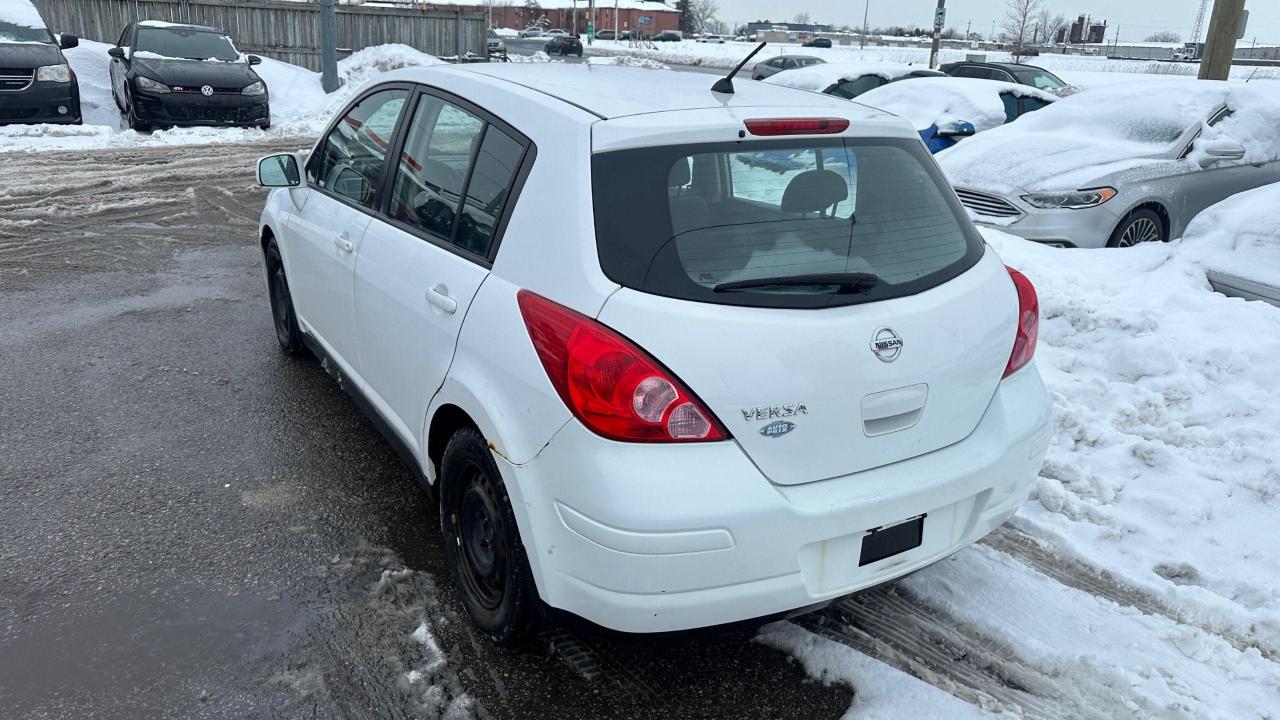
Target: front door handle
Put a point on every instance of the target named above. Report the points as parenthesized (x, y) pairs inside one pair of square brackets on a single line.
[(343, 244), (439, 297)]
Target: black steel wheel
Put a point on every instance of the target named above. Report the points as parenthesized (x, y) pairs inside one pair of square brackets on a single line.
[(490, 569), (285, 320)]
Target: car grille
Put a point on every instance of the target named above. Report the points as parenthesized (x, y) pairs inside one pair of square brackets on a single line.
[(985, 204), (195, 90), (18, 113), (14, 79), (199, 113)]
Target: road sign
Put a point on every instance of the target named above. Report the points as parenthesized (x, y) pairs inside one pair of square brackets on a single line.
[(940, 17)]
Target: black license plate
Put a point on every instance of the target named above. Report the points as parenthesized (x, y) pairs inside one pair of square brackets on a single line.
[(884, 542)]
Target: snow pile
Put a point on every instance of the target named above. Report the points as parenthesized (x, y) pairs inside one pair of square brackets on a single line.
[(299, 105), (817, 78), (1111, 128), (627, 61), (947, 101), (537, 57), (1164, 466), (1240, 237), (506, 33)]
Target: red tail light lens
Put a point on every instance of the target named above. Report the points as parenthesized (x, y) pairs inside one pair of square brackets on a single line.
[(797, 126), (616, 389), (1024, 342)]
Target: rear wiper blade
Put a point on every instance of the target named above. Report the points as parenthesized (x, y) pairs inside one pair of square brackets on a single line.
[(857, 282)]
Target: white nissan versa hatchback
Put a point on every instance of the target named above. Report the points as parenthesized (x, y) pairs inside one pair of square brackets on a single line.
[(669, 357)]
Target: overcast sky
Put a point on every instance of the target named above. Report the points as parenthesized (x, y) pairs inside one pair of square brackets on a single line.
[(1136, 19)]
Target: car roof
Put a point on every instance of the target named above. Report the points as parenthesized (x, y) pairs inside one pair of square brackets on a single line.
[(612, 91)]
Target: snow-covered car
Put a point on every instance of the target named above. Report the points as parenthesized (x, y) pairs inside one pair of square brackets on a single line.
[(945, 109), (164, 74), (1238, 241), (710, 394), (849, 80), (1120, 164), (1017, 73), (773, 66), (37, 84)]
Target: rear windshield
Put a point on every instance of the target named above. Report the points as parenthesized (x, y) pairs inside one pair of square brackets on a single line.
[(187, 44), (809, 224), (1039, 79)]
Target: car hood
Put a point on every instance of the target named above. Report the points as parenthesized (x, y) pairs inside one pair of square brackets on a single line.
[(29, 55), (196, 72), (1014, 162)]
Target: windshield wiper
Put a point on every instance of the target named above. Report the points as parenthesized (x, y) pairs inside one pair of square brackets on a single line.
[(855, 282)]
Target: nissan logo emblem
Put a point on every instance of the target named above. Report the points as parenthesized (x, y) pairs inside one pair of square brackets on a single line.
[(886, 344), (206, 91)]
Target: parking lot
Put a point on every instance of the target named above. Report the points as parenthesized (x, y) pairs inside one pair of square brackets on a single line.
[(197, 525)]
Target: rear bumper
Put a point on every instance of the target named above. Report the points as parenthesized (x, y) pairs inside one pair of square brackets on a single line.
[(42, 102), (646, 538), (192, 109)]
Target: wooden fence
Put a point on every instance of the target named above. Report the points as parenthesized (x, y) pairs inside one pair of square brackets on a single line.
[(288, 31)]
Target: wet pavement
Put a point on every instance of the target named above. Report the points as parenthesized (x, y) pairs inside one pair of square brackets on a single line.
[(195, 526)]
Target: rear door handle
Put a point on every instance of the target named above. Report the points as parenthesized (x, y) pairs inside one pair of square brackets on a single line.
[(439, 296), (343, 244)]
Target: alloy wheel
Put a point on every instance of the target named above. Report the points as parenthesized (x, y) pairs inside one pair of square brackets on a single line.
[(1141, 230)]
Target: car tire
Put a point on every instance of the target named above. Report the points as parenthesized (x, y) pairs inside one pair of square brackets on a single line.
[(490, 569), (131, 119), (579, 53), (283, 316), (1140, 226)]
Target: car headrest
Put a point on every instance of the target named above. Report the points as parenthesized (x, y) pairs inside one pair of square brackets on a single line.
[(680, 174), (814, 191)]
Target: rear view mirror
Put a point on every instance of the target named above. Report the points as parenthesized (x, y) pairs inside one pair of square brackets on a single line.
[(1210, 152), (958, 129), (254, 59), (116, 52), (279, 171), (66, 41)]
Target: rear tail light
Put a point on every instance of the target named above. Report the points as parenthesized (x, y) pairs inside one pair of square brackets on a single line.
[(1024, 342), (797, 126), (616, 389)]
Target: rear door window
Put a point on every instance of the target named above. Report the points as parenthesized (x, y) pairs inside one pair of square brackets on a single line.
[(780, 224)]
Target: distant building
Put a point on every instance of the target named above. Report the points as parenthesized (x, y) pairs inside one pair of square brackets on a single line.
[(1085, 31), (757, 27), (648, 16)]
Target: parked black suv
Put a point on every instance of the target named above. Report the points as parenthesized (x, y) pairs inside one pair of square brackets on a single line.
[(37, 84), (181, 75), (564, 45), (819, 42)]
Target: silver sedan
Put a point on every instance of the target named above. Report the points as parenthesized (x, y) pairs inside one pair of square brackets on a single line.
[(1122, 164)]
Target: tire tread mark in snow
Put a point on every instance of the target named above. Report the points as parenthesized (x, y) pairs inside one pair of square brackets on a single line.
[(1039, 556), (925, 643)]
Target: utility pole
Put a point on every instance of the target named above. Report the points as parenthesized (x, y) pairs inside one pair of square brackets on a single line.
[(1226, 25), (866, 10), (939, 19), (591, 21), (328, 45)]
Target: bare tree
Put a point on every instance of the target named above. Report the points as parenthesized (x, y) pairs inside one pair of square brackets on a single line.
[(701, 13), (802, 18), (1164, 36), (1019, 23)]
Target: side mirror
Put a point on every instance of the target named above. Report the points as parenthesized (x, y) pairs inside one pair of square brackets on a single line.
[(281, 170), (253, 59), (1211, 152), (960, 129), (116, 52), (66, 41)]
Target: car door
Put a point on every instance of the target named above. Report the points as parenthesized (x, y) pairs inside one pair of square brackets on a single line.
[(344, 180), (118, 69), (425, 256), (1211, 185)]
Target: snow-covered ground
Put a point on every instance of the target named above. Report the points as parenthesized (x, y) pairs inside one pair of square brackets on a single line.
[(299, 106), (1163, 479), (1082, 70)]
